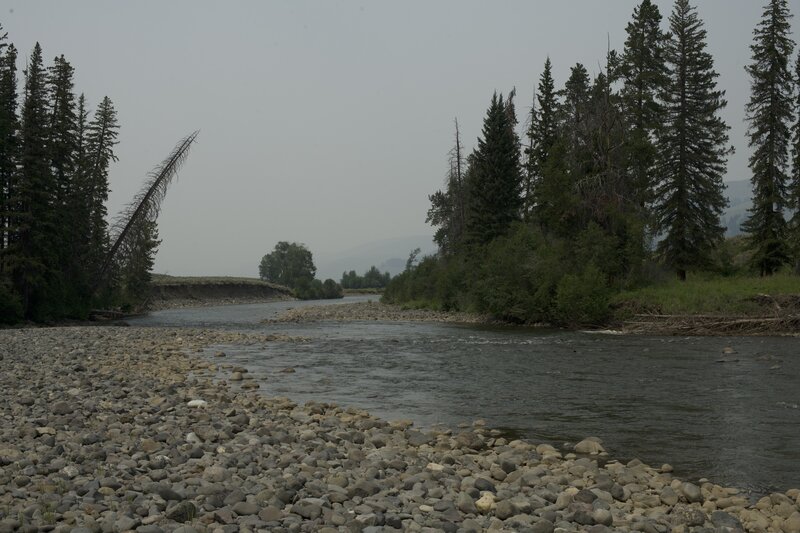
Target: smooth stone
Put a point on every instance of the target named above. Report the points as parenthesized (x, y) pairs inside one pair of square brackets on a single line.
[(723, 519), (591, 446), (692, 493), (543, 526), (485, 503), (466, 504), (246, 508), (270, 514), (504, 510), (308, 510), (483, 484), (182, 512)]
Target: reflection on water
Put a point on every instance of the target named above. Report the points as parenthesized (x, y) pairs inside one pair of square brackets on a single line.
[(732, 418)]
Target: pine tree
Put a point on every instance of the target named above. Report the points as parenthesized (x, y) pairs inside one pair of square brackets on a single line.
[(693, 149), (573, 111), (9, 148), (794, 185), (136, 273), (770, 112), (542, 136), (494, 180), (101, 137), (63, 125), (33, 261), (644, 76), (68, 279)]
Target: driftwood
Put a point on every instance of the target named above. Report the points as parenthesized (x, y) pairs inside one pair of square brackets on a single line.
[(713, 324)]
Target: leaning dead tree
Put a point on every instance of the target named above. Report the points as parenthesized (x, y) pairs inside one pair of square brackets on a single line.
[(144, 209)]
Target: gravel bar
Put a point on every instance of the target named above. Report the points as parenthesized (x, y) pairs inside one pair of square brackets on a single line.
[(130, 429)]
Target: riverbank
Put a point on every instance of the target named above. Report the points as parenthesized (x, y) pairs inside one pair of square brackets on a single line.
[(786, 323), (119, 429), (375, 311), (171, 292)]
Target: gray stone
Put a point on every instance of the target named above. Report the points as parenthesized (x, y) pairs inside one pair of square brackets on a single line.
[(504, 510), (692, 493), (165, 491), (62, 408), (308, 510), (270, 514), (483, 484), (723, 519), (152, 528), (182, 512), (246, 508), (542, 526), (125, 523), (584, 496), (364, 488), (466, 504)]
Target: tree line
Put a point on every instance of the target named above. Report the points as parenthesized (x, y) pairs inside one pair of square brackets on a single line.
[(292, 265), (55, 156), (371, 279), (616, 178)]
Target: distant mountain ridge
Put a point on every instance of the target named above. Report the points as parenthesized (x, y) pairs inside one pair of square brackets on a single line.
[(740, 198), (389, 255)]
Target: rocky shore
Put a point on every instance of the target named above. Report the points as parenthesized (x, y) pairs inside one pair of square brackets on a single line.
[(127, 429), (368, 311)]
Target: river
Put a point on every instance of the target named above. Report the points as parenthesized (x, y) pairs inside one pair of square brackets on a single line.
[(733, 418)]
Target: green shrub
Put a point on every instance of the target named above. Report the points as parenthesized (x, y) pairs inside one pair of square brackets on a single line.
[(582, 299)]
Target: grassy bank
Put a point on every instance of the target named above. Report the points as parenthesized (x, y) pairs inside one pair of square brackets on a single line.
[(742, 305), (744, 296)]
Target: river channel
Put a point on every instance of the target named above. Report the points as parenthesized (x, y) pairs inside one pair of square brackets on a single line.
[(733, 418)]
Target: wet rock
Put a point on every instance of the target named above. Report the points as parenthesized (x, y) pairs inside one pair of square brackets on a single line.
[(591, 446), (721, 519), (692, 493)]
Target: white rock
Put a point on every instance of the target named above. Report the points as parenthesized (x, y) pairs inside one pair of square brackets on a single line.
[(435, 467), (197, 403), (591, 446), (485, 503)]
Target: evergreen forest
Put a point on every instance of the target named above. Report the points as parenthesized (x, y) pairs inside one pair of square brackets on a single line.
[(58, 256), (614, 182)]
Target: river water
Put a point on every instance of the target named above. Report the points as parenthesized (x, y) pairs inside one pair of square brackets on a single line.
[(732, 418)]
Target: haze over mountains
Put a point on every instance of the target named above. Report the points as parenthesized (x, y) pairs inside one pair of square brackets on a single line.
[(390, 255)]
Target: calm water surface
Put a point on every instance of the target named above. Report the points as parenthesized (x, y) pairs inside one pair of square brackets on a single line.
[(732, 418)]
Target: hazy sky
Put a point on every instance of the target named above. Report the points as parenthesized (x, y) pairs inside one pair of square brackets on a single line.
[(324, 122)]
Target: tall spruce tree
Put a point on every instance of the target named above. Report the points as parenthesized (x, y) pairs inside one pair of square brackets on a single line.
[(794, 185), (62, 150), (63, 126), (770, 112), (494, 180), (542, 134), (101, 137), (34, 259), (9, 149), (693, 149), (573, 111), (643, 72)]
